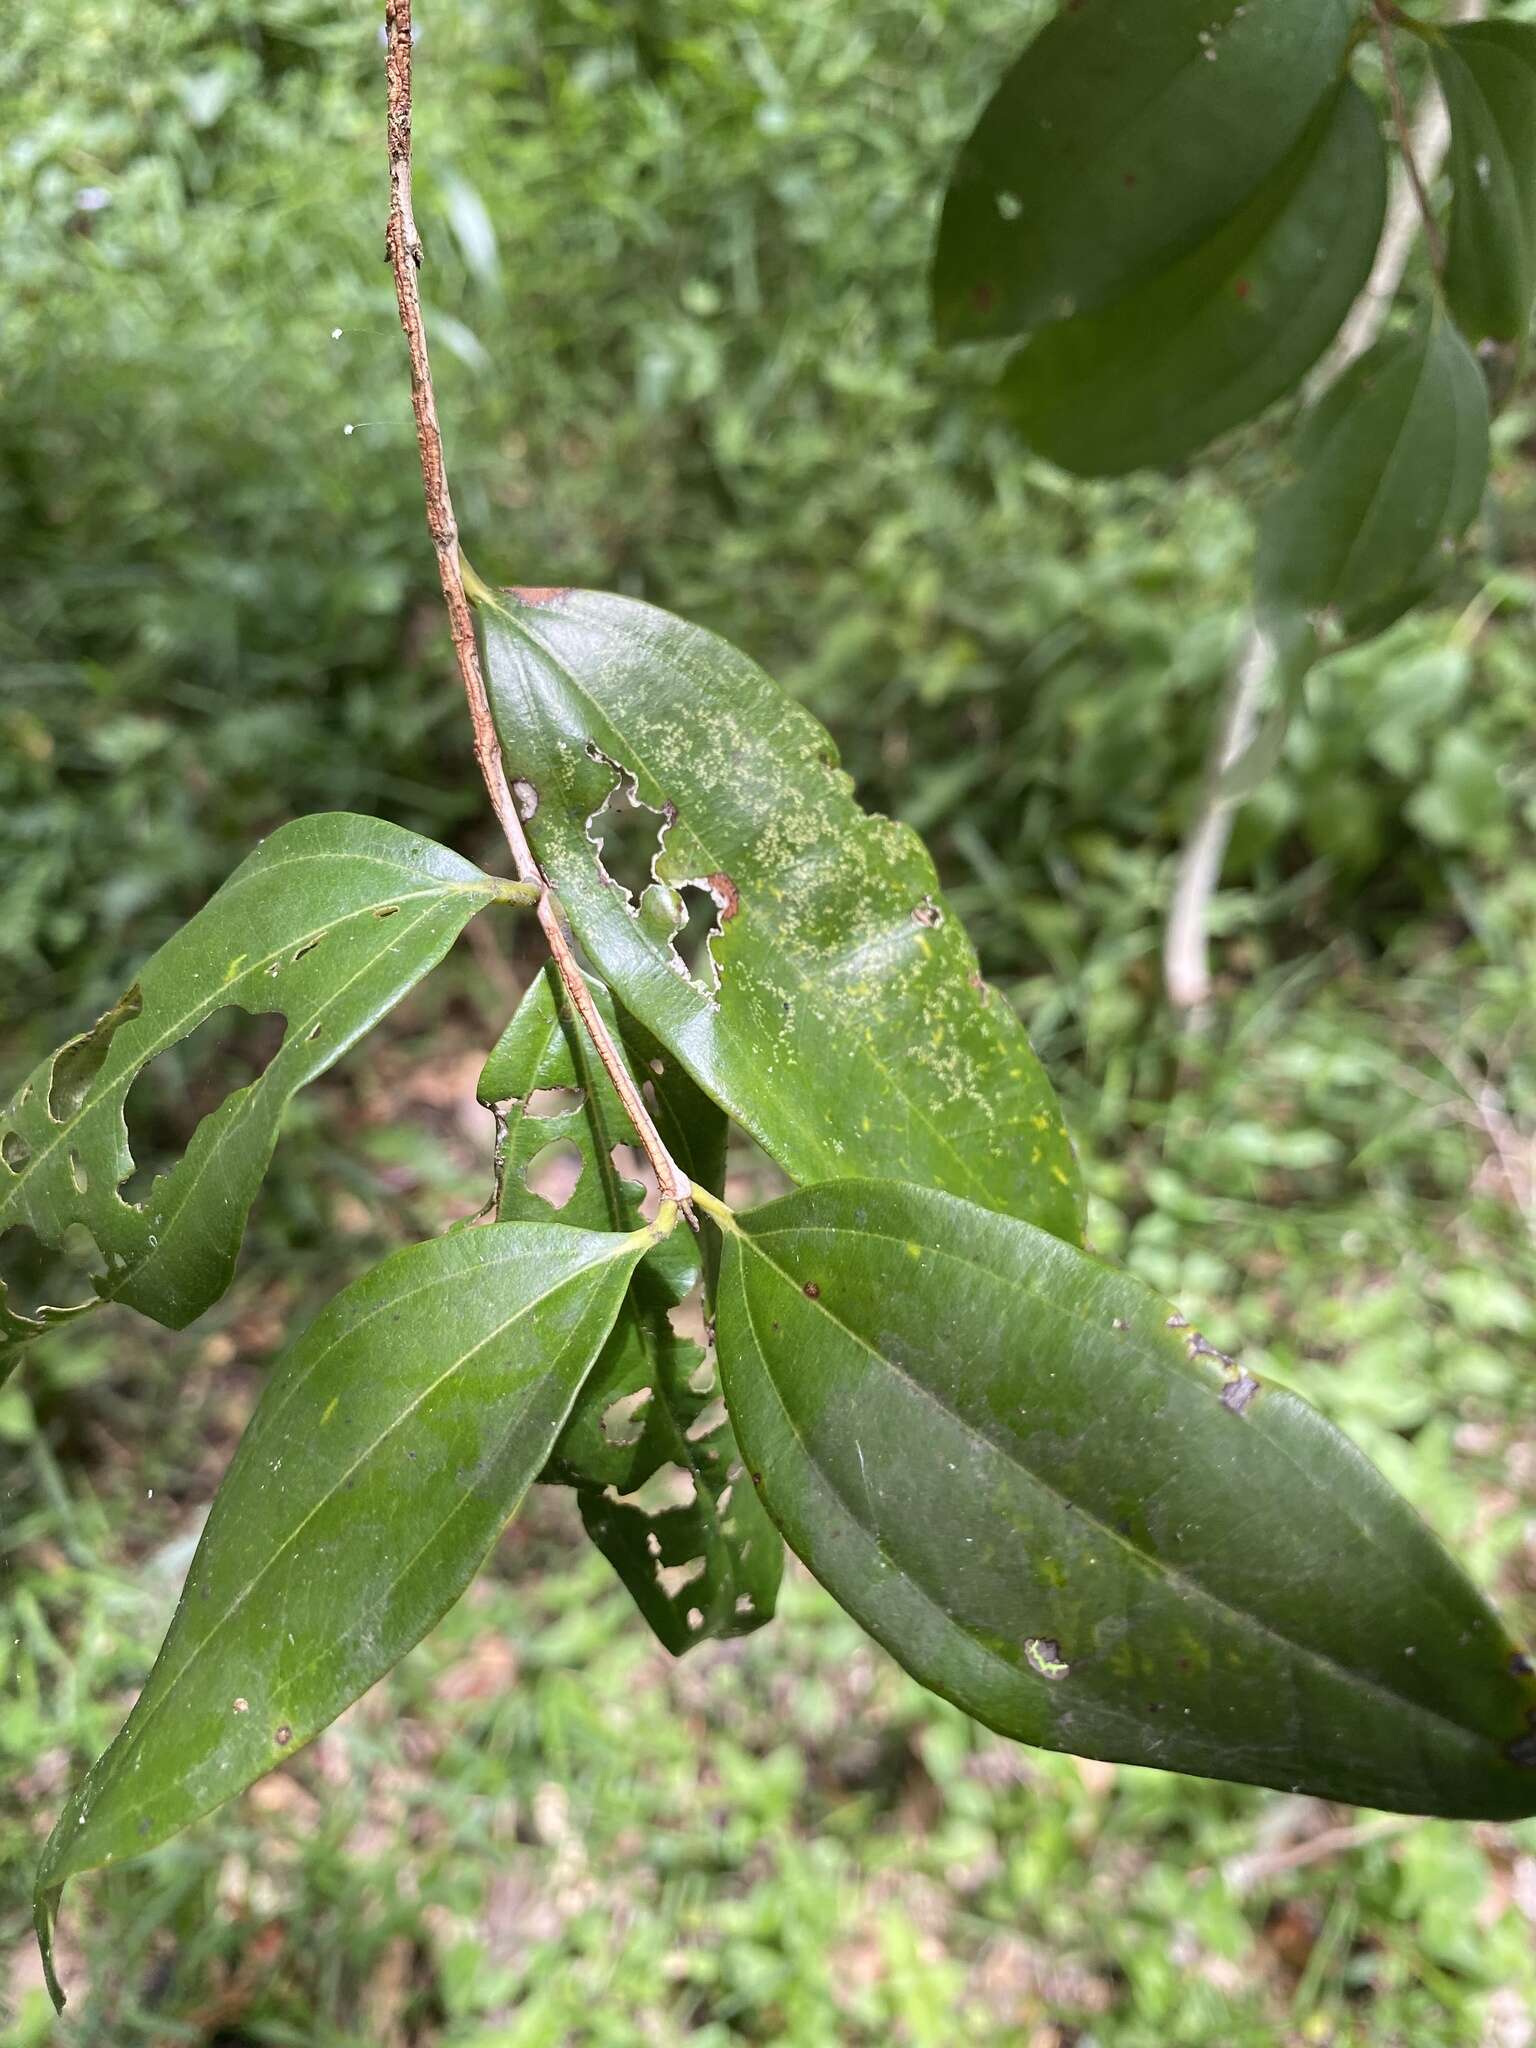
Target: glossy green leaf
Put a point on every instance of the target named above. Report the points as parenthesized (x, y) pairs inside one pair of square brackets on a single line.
[(1392, 466), (329, 921), (1487, 71), (1229, 328), (1060, 1508), (1124, 135), (836, 1013), (390, 1446), (699, 1558)]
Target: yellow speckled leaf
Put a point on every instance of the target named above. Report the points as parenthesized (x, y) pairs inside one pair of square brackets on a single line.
[(836, 1012)]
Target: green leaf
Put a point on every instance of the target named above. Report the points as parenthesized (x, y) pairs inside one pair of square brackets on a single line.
[(700, 1559), (1393, 462), (1229, 328), (390, 1446), (1124, 135), (836, 1013), (1061, 1509), (329, 921), (1487, 71)]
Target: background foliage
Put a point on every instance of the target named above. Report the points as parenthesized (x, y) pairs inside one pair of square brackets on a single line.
[(676, 296)]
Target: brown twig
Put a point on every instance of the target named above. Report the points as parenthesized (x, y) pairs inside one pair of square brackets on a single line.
[(1405, 136), (403, 244)]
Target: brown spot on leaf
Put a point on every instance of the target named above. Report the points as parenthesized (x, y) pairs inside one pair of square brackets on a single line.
[(723, 889), (1201, 1347), (812, 1291), (539, 593), (1238, 1394), (283, 1736)]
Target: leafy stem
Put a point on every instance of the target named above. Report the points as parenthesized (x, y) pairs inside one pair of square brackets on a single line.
[(404, 247), (1387, 16)]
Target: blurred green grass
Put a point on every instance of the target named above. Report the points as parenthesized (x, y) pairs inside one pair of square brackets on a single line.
[(675, 290)]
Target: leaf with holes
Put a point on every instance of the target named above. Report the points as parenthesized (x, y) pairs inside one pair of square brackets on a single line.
[(1487, 71), (1124, 135), (647, 1446), (390, 1446), (330, 921), (1226, 331), (836, 1011), (1392, 465), (1061, 1509)]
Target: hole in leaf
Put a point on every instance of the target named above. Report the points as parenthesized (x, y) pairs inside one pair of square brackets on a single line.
[(628, 836), (724, 1500), (76, 1065), (673, 1577), (15, 1150), (695, 1619), (693, 945), (387, 910), (623, 1422), (702, 1378), (61, 1275), (553, 1172), (670, 1486), (190, 1080), (709, 1420), (553, 1101), (300, 952), (634, 1168), (77, 1172)]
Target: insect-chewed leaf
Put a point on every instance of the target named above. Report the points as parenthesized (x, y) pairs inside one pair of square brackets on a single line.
[(1058, 1507), (703, 1560), (1487, 71), (1122, 137), (1393, 463), (329, 921), (1227, 329), (836, 1011), (390, 1446)]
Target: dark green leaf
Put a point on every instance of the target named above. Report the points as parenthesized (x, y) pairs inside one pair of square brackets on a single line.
[(837, 1012), (1393, 462), (1058, 1507), (1229, 328), (648, 1421), (390, 1446), (1121, 138), (1487, 71), (329, 921)]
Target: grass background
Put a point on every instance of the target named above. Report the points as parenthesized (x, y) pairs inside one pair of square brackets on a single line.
[(675, 293)]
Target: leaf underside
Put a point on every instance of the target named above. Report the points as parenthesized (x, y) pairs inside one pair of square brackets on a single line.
[(330, 921), (1487, 71), (703, 1560), (392, 1443), (1234, 325), (1060, 1509), (836, 1013), (1123, 136)]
